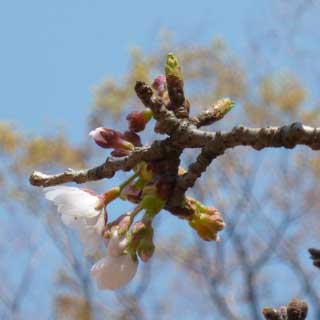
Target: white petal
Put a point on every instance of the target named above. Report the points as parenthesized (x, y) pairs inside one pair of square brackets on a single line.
[(91, 235), (73, 201), (51, 192), (96, 134), (78, 211), (114, 272), (70, 221)]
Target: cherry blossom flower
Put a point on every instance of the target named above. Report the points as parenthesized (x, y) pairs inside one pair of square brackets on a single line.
[(81, 210), (114, 272), (118, 267)]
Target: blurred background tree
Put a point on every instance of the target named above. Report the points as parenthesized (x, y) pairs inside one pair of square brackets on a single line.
[(269, 199)]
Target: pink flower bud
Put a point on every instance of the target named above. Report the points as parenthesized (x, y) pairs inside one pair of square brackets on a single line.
[(138, 228), (108, 138), (159, 84), (133, 138), (131, 193), (138, 120)]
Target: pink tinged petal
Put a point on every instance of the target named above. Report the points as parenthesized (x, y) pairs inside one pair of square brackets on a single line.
[(159, 84), (99, 139), (114, 272), (116, 244)]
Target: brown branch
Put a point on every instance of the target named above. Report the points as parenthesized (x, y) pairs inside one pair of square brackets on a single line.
[(295, 310), (185, 134), (105, 170), (216, 143)]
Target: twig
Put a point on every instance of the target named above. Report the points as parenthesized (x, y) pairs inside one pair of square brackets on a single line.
[(185, 134)]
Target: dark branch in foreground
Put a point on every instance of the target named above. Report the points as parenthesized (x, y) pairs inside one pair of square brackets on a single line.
[(315, 256), (295, 310)]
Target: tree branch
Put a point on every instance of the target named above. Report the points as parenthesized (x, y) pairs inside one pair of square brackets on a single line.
[(186, 135), (183, 133)]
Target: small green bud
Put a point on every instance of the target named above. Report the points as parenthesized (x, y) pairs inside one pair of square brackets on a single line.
[(223, 106), (172, 67)]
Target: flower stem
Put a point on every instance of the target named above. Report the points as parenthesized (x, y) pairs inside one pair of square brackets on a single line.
[(135, 211), (126, 182)]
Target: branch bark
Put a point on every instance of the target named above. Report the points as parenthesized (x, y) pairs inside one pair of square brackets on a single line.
[(183, 133)]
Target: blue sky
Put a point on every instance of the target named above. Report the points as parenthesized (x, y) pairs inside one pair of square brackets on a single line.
[(54, 52)]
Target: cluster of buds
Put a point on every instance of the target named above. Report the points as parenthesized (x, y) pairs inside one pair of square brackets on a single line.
[(126, 241), (295, 310)]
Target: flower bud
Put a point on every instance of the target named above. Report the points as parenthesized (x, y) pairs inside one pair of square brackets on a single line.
[(142, 239), (172, 67), (121, 224), (159, 84), (207, 221), (151, 201), (145, 251), (114, 272), (214, 113), (174, 82), (133, 138), (117, 244), (138, 228), (131, 193), (223, 106), (138, 120), (108, 138), (213, 222)]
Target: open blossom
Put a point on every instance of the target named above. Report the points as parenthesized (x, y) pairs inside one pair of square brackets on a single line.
[(117, 268), (114, 272), (81, 210)]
